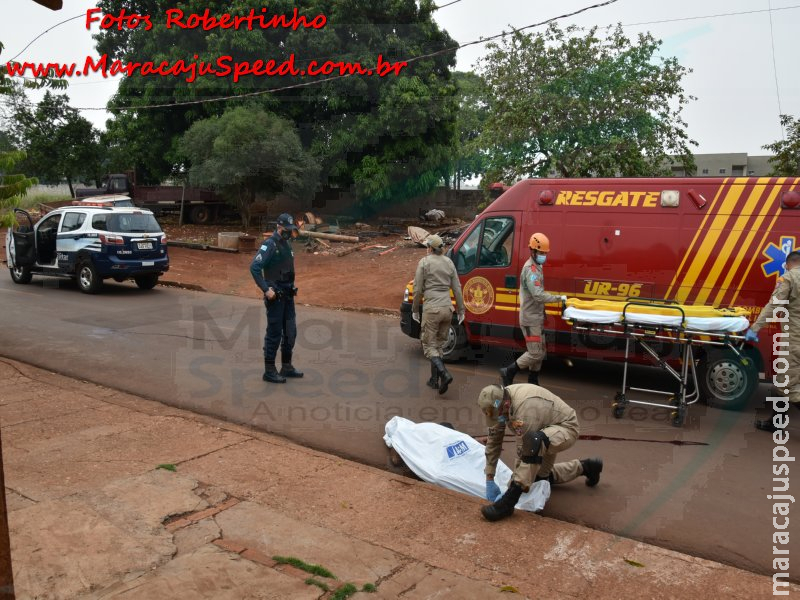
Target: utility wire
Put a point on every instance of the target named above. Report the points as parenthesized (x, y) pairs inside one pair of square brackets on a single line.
[(45, 32), (775, 70), (446, 5), (770, 10), (326, 80)]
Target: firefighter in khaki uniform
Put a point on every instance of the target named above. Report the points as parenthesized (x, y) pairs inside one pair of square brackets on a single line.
[(545, 425), (787, 296), (532, 299), (435, 277)]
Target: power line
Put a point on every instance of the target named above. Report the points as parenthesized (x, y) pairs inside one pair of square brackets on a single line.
[(775, 69), (45, 32), (446, 5), (326, 80), (729, 14)]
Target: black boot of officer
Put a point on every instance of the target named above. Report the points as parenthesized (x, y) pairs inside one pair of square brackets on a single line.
[(271, 373), (592, 467), (287, 370), (533, 377), (434, 380), (503, 506), (507, 373), (445, 379)]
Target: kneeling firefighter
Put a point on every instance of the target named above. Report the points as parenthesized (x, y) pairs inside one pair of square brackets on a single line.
[(544, 425), (435, 277)]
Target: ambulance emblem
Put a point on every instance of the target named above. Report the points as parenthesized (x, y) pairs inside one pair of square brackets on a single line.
[(478, 295), (776, 257)]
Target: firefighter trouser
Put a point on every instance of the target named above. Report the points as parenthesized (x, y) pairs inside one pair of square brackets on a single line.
[(793, 373), (435, 325), (561, 438), (281, 329), (535, 349)]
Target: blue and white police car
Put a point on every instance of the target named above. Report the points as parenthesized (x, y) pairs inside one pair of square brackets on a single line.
[(89, 242)]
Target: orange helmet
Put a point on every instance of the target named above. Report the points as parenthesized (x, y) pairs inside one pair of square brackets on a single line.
[(539, 242)]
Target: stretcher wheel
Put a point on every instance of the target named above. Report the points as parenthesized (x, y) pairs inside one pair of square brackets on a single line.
[(618, 410), (678, 417)]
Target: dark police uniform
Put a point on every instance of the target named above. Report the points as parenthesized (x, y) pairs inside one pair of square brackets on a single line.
[(273, 267)]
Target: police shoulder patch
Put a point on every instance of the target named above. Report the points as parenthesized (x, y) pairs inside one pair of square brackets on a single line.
[(264, 246)]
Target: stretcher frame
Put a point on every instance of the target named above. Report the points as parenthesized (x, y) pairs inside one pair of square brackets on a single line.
[(643, 335)]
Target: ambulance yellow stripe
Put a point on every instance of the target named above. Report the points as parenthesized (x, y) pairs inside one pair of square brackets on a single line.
[(757, 254), (732, 240), (511, 299), (747, 245), (508, 308), (696, 235), (710, 240)]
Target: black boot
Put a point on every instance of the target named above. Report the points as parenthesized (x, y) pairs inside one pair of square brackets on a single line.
[(287, 370), (445, 379), (533, 377), (434, 380), (767, 424), (504, 506), (271, 373), (507, 373), (591, 469)]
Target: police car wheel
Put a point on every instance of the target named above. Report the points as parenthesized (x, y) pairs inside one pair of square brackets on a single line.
[(725, 382), (146, 282), (21, 274), (89, 282)]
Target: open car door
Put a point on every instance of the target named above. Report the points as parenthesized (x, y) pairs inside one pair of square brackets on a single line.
[(22, 246)]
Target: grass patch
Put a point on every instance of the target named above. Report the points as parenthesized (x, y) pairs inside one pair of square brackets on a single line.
[(321, 585), (369, 588), (167, 467), (33, 200), (344, 592), (304, 566)]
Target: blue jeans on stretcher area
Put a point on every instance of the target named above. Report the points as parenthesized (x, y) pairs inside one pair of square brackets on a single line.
[(281, 329)]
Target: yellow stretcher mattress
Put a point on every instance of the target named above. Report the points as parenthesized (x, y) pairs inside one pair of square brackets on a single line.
[(697, 318)]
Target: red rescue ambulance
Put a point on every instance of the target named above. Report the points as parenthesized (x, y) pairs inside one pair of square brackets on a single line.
[(698, 241)]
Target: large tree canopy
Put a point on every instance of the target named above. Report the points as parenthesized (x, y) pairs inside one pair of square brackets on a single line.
[(582, 105), (59, 142), (248, 151), (389, 137), (786, 161)]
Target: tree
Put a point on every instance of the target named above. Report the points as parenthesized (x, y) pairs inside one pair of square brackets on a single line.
[(60, 144), (786, 162), (583, 105), (473, 110), (248, 151), (386, 137)]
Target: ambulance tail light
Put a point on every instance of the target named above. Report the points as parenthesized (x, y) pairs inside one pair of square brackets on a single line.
[(697, 198), (112, 240), (790, 199), (546, 197), (670, 198)]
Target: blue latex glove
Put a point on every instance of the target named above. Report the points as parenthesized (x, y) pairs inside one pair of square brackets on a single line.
[(492, 491), (750, 336)]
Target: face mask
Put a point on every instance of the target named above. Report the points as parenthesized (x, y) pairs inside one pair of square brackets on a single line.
[(540, 259)]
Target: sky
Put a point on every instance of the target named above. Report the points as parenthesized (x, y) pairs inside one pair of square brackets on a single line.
[(731, 57)]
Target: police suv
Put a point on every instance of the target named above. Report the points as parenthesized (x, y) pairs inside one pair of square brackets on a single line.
[(89, 242)]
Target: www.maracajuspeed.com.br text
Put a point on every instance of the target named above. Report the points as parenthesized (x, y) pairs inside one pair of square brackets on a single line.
[(222, 66)]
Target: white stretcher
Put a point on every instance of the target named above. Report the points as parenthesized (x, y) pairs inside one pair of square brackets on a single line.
[(643, 322)]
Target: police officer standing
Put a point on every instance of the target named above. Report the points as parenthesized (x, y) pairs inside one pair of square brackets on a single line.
[(531, 314), (435, 277), (273, 271), (786, 295), (545, 425)]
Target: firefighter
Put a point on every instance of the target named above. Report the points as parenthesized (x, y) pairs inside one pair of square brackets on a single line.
[(787, 296), (273, 271), (531, 314), (544, 425), (435, 277)]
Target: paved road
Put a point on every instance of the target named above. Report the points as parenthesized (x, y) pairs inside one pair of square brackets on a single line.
[(203, 352)]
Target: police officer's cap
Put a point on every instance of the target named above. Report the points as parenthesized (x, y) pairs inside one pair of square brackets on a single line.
[(287, 222), (486, 402)]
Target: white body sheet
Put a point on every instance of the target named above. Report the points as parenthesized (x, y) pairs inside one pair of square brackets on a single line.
[(704, 324), (453, 460)]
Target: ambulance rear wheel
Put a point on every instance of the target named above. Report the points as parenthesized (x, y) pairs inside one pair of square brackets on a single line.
[(21, 274), (725, 381), (456, 344)]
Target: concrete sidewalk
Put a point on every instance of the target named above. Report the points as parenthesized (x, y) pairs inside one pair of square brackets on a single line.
[(92, 516)]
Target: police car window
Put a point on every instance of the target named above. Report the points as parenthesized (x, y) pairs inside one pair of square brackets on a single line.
[(133, 223), (497, 242), (465, 258), (72, 221), (100, 222)]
